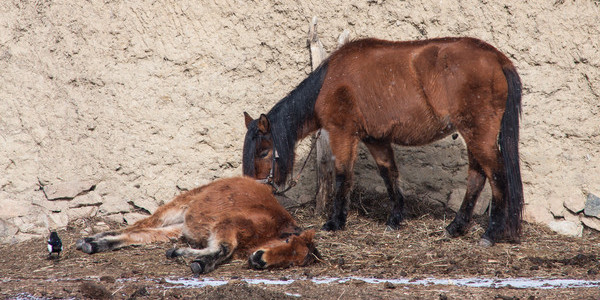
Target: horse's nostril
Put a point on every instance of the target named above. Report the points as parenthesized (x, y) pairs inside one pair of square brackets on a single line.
[(256, 261)]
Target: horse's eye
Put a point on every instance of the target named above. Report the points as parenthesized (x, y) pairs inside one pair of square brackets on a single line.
[(263, 154), (287, 241)]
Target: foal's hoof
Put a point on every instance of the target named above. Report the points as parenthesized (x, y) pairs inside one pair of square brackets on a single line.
[(332, 226), (89, 248), (197, 267), (483, 242), (79, 244), (171, 253)]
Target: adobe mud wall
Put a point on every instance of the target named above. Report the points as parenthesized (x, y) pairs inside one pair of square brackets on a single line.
[(110, 108)]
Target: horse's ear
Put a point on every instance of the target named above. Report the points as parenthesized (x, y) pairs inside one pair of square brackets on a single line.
[(308, 235), (264, 126), (248, 119)]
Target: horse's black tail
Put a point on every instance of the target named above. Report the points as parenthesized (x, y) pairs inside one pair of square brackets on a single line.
[(509, 147)]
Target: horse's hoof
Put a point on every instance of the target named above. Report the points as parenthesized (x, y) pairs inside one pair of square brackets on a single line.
[(456, 229), (483, 242), (394, 222), (331, 226), (450, 231), (171, 253), (446, 235), (197, 267)]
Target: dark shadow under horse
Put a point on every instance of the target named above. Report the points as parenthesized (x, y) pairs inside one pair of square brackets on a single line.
[(407, 93)]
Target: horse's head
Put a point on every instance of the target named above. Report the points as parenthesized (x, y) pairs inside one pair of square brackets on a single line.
[(257, 158), (295, 250)]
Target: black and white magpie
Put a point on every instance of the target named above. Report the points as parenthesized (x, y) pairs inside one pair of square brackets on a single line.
[(54, 244)]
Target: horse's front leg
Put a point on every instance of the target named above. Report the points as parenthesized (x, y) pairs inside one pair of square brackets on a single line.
[(206, 263), (343, 148), (206, 259), (222, 242), (337, 219)]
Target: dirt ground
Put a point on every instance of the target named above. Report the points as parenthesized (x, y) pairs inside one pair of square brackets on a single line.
[(364, 249)]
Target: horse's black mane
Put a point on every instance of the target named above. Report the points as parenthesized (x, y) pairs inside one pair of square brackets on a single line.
[(286, 118)]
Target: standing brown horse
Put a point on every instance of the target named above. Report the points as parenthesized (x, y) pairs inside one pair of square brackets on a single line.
[(227, 217), (407, 93)]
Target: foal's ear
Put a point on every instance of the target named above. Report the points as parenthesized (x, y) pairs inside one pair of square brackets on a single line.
[(308, 235), (248, 119), (263, 124)]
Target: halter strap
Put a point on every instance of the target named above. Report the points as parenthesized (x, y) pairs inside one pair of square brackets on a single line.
[(293, 181)]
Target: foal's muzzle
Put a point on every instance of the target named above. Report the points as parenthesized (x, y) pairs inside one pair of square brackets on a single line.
[(256, 261)]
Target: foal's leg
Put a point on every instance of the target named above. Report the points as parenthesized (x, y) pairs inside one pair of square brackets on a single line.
[(112, 240), (164, 225), (475, 183), (222, 242), (343, 148), (384, 158), (217, 251)]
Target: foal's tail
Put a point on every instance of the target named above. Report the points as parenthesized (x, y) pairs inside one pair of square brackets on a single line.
[(509, 147)]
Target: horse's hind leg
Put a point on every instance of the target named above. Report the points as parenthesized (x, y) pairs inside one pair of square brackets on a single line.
[(498, 215), (475, 183), (384, 158), (483, 149)]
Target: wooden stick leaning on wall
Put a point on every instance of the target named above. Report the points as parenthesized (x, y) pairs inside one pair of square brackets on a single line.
[(325, 160)]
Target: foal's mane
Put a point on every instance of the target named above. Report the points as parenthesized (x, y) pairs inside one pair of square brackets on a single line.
[(288, 117)]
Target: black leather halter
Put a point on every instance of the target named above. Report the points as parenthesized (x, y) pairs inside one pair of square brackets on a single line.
[(293, 181)]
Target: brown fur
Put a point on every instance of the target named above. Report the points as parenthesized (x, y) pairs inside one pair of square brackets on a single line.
[(413, 93), (235, 216)]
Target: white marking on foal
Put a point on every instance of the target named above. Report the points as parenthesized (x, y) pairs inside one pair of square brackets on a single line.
[(212, 248)]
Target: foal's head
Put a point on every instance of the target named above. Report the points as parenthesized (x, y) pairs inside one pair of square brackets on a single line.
[(257, 158), (295, 250)]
